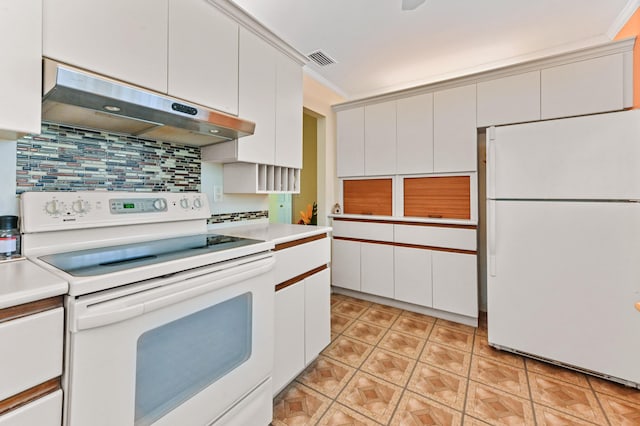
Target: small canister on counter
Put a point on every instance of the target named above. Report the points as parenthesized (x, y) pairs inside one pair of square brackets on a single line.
[(9, 237)]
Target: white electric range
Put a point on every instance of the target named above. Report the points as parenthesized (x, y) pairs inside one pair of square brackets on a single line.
[(165, 323)]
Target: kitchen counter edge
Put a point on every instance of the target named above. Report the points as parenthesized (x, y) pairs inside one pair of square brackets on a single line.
[(276, 233), (22, 281)]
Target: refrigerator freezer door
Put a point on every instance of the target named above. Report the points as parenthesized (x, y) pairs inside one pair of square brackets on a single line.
[(590, 158), (566, 277)]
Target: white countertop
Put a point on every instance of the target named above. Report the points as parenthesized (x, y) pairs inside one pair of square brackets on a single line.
[(22, 281), (275, 232), (404, 219)]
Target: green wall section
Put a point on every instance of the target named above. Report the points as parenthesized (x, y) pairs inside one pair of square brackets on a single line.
[(309, 174)]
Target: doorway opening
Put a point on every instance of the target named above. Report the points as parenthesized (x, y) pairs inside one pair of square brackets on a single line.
[(287, 208)]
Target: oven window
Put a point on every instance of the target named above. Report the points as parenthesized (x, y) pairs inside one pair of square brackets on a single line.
[(181, 358)]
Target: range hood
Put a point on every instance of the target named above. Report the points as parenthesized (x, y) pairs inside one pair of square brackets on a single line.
[(79, 98)]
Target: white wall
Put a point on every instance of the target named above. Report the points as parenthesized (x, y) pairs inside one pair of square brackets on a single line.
[(317, 100), (212, 176), (8, 200)]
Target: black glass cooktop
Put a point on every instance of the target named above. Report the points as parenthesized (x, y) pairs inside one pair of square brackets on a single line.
[(103, 260)]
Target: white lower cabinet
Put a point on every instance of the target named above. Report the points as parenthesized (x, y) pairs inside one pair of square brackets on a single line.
[(412, 275), (317, 315), (376, 269), (302, 326), (428, 266), (455, 282), (289, 332), (345, 264), (45, 411)]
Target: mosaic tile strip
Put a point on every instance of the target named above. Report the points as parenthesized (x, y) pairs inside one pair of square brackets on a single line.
[(237, 217), (65, 158)]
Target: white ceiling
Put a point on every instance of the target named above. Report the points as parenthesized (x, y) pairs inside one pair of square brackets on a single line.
[(380, 48)]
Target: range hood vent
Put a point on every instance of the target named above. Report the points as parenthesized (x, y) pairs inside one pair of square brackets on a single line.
[(82, 99)]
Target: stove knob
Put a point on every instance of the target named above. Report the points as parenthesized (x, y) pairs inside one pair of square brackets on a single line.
[(184, 203), (160, 204), (197, 203), (80, 206), (52, 207)]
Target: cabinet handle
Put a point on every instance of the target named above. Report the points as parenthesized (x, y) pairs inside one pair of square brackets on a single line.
[(435, 216)]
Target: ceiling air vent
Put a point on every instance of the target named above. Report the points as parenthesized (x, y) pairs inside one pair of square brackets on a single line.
[(321, 58)]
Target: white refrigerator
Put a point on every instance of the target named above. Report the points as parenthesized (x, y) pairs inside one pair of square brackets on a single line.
[(563, 237)]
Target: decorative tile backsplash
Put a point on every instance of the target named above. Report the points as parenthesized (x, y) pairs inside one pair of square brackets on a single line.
[(64, 158), (237, 217)]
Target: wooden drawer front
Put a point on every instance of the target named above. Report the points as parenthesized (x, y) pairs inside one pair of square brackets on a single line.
[(363, 230), (435, 236), (45, 411), (31, 351), (368, 196), (299, 259), (438, 197)]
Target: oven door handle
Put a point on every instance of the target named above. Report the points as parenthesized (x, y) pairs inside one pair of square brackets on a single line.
[(114, 311), (112, 316)]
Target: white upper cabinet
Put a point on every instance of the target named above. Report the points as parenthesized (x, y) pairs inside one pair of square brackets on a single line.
[(585, 87), (454, 130), (203, 55), (123, 39), (288, 112), (414, 143), (270, 95), (380, 139), (257, 98), (513, 99), (21, 69), (350, 144)]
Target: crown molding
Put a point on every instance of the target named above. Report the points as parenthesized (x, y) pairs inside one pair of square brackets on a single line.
[(609, 48), (625, 14), (243, 17)]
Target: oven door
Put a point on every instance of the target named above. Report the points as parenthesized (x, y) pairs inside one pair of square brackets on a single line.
[(177, 350)]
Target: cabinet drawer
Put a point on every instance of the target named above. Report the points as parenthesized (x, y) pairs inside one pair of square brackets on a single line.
[(45, 411), (436, 236), (32, 353), (296, 260), (363, 230)]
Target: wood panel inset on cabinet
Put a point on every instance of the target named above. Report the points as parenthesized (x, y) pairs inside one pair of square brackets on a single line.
[(438, 197), (368, 196)]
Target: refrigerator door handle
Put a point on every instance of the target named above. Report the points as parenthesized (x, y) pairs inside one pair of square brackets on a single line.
[(491, 162), (491, 237)]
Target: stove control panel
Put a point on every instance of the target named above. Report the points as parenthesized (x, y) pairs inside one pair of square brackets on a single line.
[(48, 211), (137, 205)]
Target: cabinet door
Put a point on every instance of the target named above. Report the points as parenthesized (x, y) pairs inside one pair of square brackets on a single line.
[(586, 87), (29, 337), (345, 264), (513, 99), (20, 73), (257, 87), (414, 142), (350, 143), (455, 282), (289, 335), (412, 275), (317, 314), (44, 411), (288, 112), (376, 269), (203, 55), (380, 139), (454, 130), (123, 39)]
